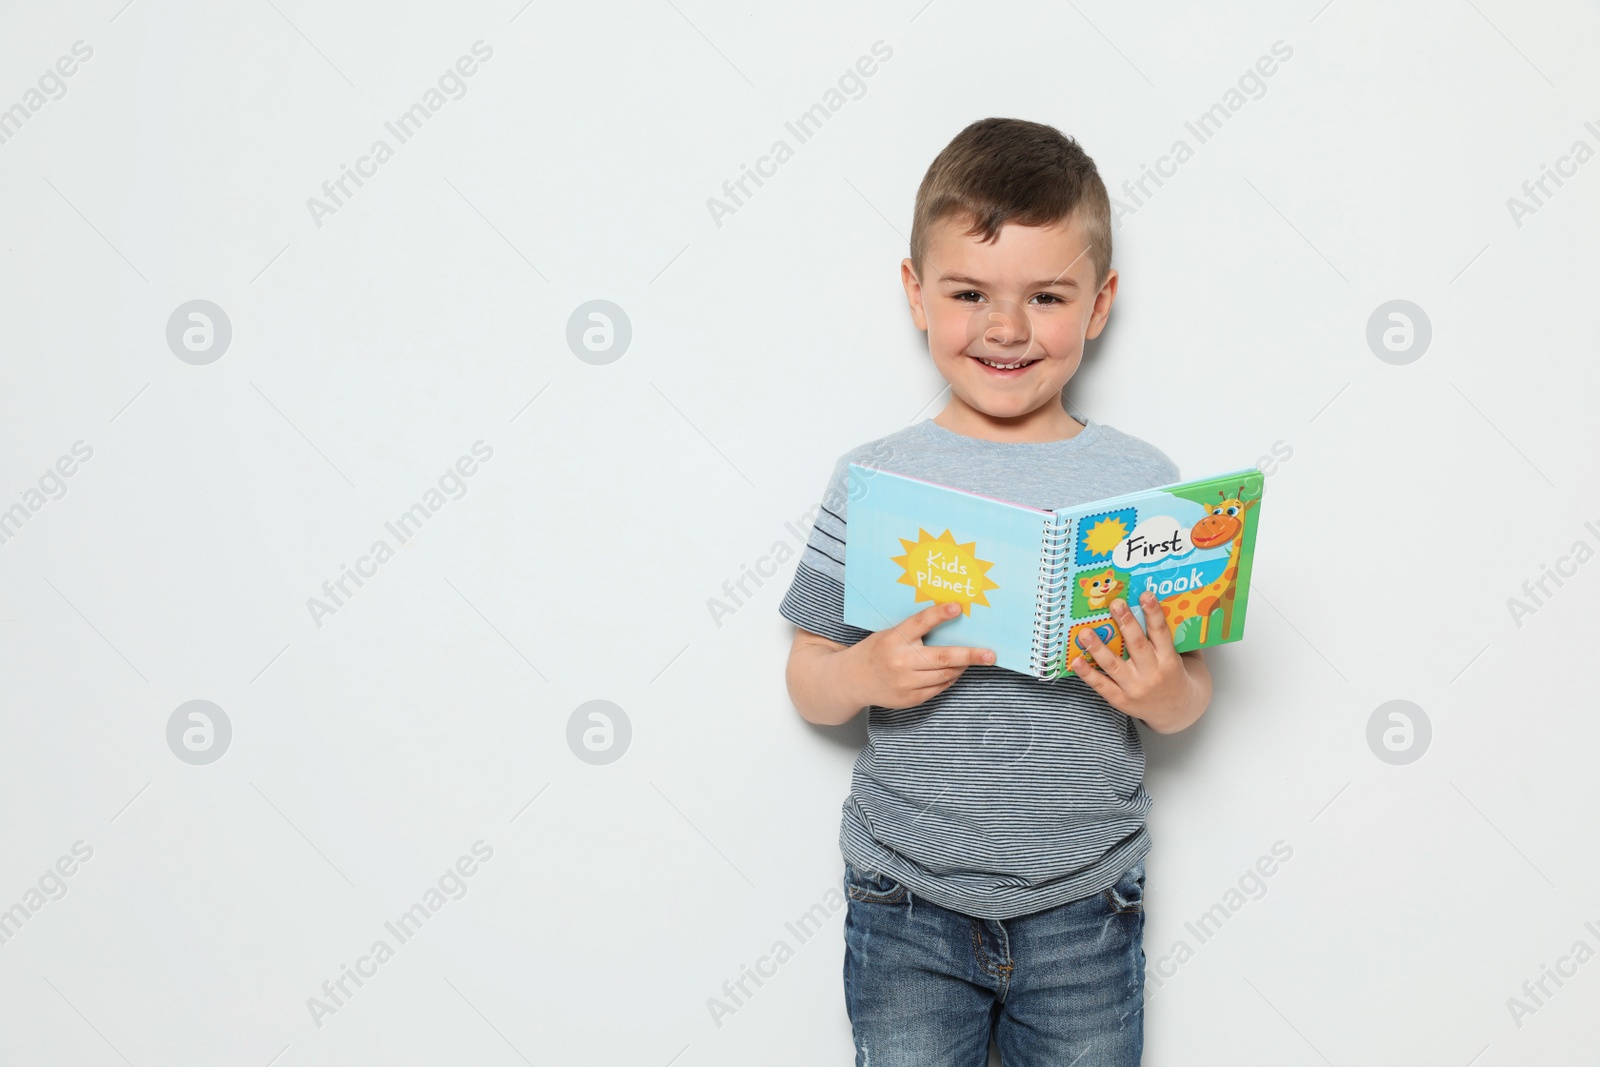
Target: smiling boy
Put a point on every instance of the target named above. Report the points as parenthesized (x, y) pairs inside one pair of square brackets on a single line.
[(994, 836)]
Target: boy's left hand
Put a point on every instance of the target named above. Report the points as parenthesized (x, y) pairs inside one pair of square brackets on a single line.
[(1156, 683)]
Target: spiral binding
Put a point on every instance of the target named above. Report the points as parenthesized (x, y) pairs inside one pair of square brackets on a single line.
[(1054, 601)]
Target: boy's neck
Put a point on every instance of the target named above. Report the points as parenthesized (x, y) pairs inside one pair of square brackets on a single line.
[(1048, 422)]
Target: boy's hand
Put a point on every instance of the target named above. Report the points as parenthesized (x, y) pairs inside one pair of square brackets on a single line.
[(894, 669), (1155, 683)]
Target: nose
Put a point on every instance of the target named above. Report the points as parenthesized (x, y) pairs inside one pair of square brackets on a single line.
[(1001, 325)]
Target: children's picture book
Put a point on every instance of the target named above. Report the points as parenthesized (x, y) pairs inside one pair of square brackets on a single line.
[(1031, 582)]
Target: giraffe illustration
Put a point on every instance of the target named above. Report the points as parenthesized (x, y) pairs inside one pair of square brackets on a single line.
[(1224, 523)]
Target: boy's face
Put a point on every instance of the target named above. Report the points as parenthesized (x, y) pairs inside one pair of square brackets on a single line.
[(1026, 302)]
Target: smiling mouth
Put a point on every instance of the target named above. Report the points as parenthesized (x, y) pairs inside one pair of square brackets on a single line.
[(1013, 368)]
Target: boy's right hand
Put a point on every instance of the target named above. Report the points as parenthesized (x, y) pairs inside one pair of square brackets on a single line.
[(894, 669)]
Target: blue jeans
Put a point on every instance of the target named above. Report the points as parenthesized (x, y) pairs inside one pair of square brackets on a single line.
[(926, 986)]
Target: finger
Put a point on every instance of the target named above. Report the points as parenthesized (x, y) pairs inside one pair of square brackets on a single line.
[(1139, 649), (961, 656), (1106, 659), (1084, 668), (935, 683), (1108, 689), (1155, 621), (927, 694), (914, 627)]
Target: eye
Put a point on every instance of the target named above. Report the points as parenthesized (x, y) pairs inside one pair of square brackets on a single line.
[(1233, 511), (1216, 511), (1051, 297), (962, 297)]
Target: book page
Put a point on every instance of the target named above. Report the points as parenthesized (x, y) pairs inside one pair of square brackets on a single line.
[(912, 544)]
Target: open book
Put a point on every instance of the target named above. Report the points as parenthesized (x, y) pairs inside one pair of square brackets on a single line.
[(1030, 582)]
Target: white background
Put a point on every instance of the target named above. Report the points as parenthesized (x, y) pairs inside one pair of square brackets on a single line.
[(431, 710)]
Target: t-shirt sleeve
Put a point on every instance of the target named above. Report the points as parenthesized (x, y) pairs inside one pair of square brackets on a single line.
[(1151, 463), (815, 600), (1171, 473)]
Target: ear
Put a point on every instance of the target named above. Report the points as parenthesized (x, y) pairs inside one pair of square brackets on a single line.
[(1102, 305), (913, 288)]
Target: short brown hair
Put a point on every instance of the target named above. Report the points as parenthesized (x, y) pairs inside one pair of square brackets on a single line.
[(1010, 170)]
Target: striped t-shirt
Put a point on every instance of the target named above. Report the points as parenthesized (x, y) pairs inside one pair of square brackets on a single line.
[(1005, 794)]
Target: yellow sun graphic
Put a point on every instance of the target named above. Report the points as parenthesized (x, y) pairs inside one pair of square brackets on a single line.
[(1104, 535), (942, 571)]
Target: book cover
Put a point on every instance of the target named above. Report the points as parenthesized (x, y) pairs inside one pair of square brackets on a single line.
[(1031, 582), (1191, 543)]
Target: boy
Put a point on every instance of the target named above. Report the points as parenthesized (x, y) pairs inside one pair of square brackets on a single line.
[(994, 834)]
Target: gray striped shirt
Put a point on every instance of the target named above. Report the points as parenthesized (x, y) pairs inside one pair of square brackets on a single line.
[(1003, 795)]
